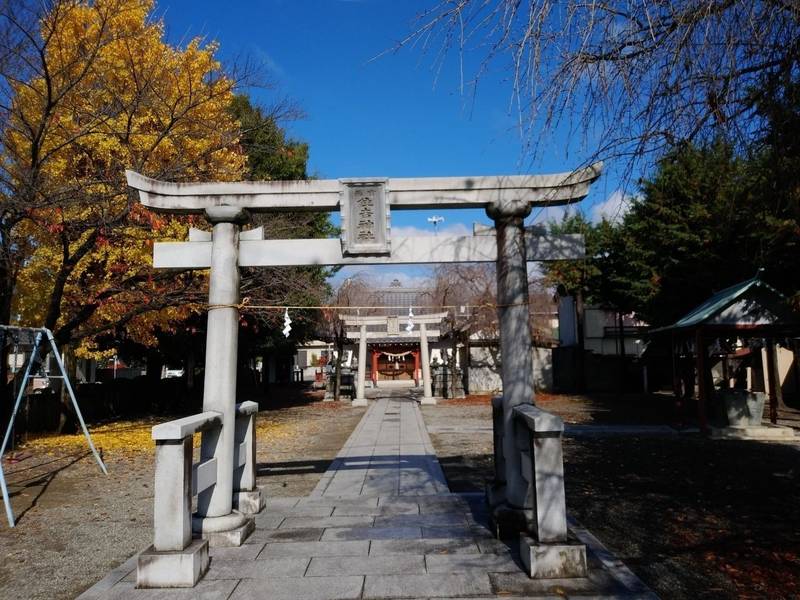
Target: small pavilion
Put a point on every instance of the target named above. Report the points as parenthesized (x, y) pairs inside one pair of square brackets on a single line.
[(725, 325)]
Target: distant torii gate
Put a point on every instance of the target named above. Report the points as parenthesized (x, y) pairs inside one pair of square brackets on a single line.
[(391, 329), (365, 205)]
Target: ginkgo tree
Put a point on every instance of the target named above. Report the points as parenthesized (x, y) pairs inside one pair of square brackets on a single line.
[(90, 88)]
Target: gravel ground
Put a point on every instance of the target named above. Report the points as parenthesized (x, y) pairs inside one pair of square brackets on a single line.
[(75, 525), (694, 518)]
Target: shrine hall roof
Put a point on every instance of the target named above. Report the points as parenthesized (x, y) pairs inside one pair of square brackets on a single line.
[(750, 303)]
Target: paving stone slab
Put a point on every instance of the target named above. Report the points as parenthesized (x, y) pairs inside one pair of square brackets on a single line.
[(325, 522), (426, 586), (424, 546), (454, 532), (111, 579), (247, 551), (258, 569), (598, 583), (334, 501), (371, 565), (287, 535), (306, 588), (379, 511), (371, 533), (304, 510), (311, 549), (281, 502), (438, 520), (492, 545), (268, 521), (466, 563), (204, 590)]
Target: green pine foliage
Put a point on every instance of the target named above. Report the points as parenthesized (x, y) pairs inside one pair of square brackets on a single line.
[(707, 219)]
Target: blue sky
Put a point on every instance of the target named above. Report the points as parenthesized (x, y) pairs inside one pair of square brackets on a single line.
[(370, 114)]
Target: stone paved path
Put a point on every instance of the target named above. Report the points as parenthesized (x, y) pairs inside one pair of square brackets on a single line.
[(381, 523)]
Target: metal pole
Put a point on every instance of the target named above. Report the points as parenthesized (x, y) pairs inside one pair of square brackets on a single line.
[(74, 400), (6, 501), (20, 393)]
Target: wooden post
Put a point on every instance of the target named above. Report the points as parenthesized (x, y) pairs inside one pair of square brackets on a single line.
[(375, 368), (774, 381), (676, 381), (702, 392)]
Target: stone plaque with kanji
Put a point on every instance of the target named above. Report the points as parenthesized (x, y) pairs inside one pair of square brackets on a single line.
[(392, 326), (365, 217)]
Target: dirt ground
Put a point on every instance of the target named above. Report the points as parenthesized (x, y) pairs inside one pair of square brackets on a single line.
[(694, 518), (74, 524)]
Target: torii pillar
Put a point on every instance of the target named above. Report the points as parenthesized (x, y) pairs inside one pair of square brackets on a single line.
[(361, 397), (508, 493), (427, 394), (215, 514)]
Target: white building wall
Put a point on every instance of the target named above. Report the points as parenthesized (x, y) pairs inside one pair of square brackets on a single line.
[(484, 373)]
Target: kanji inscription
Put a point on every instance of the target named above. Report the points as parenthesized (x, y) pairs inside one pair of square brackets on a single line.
[(365, 218)]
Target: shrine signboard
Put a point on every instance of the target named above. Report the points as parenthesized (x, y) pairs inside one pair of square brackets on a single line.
[(365, 217)]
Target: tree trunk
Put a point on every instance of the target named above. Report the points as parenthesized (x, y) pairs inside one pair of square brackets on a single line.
[(155, 364), (580, 384), (6, 294), (66, 417), (621, 325), (190, 370), (337, 378)]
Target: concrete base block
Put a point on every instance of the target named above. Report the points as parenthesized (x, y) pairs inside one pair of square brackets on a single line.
[(427, 400), (754, 432), (232, 538), (172, 569), (552, 561), (359, 402), (249, 502)]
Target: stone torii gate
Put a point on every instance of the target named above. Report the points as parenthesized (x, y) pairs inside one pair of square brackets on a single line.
[(391, 329), (365, 206)]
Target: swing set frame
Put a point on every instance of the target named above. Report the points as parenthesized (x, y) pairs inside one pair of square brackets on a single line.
[(42, 335)]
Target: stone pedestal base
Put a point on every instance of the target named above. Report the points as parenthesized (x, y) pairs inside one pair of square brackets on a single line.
[(184, 568), (231, 538), (430, 400), (249, 502), (552, 561), (227, 531), (754, 432), (359, 402)]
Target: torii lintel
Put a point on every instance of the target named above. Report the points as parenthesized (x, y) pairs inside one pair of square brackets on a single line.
[(402, 193)]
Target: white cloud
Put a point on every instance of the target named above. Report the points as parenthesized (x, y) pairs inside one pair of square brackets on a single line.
[(612, 208), (267, 60), (447, 230), (548, 214)]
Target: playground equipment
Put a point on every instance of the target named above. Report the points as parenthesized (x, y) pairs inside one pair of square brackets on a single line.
[(39, 335)]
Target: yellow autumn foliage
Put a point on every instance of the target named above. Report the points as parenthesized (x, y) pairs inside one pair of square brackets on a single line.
[(124, 98), (134, 436)]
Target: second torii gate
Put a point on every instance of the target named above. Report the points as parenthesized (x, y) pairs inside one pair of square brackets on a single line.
[(365, 206), (391, 329)]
